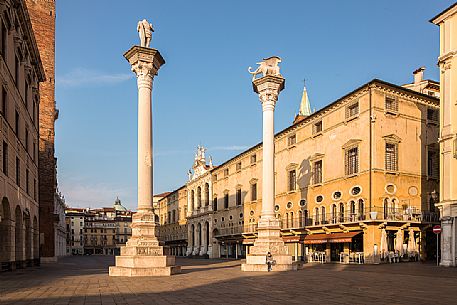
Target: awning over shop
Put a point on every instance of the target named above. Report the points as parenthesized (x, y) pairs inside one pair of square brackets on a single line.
[(330, 238)]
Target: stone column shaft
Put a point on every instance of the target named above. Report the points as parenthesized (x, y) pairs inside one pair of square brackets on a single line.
[(268, 88), (144, 143), (268, 184)]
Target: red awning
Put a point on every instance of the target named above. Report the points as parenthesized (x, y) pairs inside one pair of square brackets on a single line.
[(330, 238)]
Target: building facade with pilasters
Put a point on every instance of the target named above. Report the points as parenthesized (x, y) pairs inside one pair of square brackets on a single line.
[(353, 181), (447, 61), (171, 212), (21, 72)]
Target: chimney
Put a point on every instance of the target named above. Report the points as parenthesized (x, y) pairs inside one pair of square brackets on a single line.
[(418, 75)]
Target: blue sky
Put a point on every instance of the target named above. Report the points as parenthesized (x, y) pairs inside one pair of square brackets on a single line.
[(203, 94)]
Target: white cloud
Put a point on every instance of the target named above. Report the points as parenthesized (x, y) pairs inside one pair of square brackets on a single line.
[(83, 77)]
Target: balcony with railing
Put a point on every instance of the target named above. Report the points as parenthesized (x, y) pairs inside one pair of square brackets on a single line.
[(202, 210), (376, 214)]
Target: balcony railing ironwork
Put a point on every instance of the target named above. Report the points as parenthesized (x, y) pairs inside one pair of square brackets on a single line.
[(376, 214)]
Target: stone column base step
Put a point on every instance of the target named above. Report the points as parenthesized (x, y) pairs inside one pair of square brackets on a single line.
[(140, 271)]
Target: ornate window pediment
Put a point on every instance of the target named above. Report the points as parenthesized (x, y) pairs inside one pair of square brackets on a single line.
[(291, 166), (392, 138), (351, 143), (316, 156)]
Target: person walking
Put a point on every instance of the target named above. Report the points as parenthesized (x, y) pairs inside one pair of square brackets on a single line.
[(270, 261)]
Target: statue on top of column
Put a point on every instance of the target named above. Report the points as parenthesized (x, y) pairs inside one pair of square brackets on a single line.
[(269, 66), (145, 30)]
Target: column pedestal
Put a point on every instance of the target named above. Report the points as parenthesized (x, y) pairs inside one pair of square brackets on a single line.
[(269, 240), (142, 255)]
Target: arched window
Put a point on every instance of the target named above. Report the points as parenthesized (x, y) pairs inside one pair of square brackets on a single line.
[(316, 216), (394, 209), (361, 210), (291, 220), (192, 199), (386, 208), (334, 213), (341, 218), (206, 194), (352, 210), (394, 205), (215, 203), (286, 224), (324, 216), (199, 197), (300, 219)]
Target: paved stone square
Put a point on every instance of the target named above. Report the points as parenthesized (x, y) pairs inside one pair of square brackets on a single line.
[(85, 280)]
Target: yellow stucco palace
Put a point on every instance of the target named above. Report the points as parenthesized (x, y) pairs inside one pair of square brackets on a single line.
[(354, 182)]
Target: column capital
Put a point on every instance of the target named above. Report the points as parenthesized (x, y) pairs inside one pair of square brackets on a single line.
[(268, 89), (145, 62)]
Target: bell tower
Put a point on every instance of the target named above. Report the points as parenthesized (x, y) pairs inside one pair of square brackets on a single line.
[(42, 15)]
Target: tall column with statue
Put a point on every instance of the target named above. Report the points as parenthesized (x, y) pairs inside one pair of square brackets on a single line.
[(142, 255), (269, 238)]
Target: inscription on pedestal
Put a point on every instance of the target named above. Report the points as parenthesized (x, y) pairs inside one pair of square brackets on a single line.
[(148, 251)]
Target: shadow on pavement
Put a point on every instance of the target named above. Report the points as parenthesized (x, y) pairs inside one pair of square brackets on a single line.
[(84, 280)]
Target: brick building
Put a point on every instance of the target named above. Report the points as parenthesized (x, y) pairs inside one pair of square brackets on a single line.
[(42, 15)]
